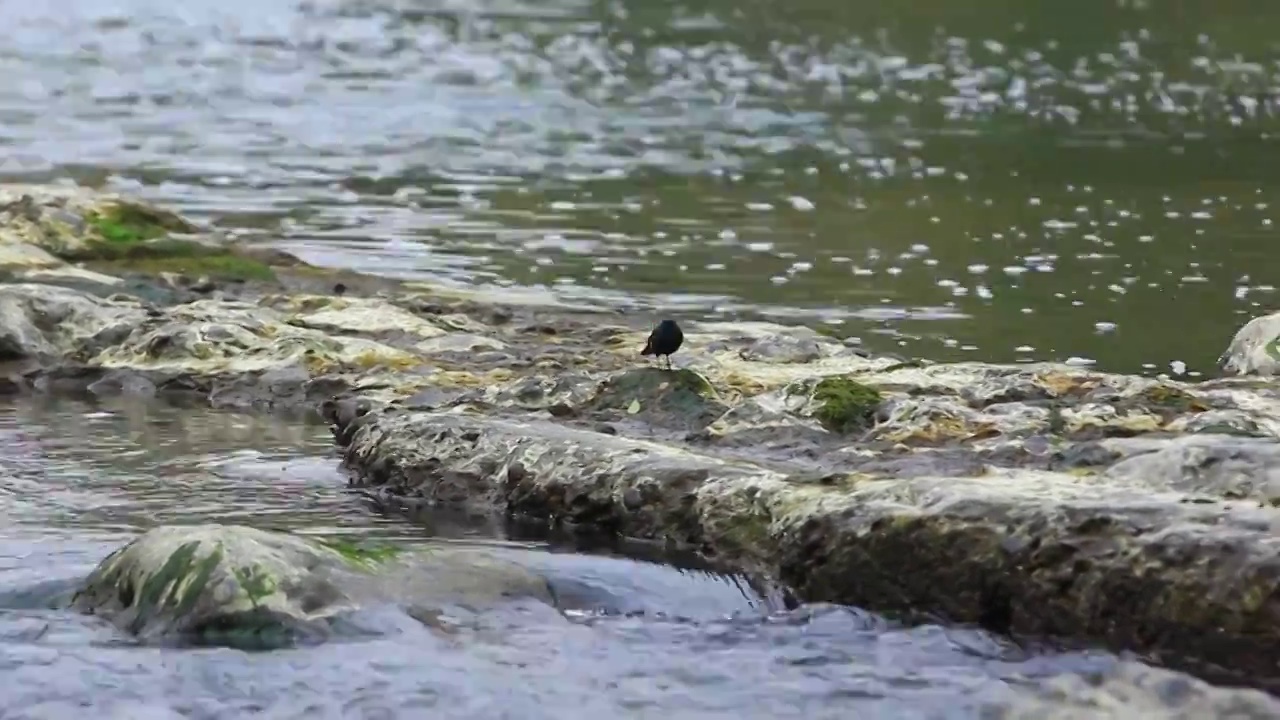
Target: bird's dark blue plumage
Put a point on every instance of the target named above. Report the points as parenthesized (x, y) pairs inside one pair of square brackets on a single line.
[(665, 339)]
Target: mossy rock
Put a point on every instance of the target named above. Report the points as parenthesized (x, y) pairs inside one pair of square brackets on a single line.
[(221, 583), (126, 223), (670, 398), (128, 237), (845, 405)]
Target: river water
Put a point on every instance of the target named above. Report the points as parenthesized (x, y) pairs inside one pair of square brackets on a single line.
[(991, 180)]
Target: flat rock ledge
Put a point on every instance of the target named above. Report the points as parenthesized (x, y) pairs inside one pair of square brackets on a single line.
[(1042, 500)]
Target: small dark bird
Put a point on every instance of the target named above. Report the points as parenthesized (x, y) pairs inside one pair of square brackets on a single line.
[(665, 339)]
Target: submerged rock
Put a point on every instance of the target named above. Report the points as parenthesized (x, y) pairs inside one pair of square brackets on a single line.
[(1130, 690), (239, 585)]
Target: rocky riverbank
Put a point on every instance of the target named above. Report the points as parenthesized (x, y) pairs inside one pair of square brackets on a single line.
[(1044, 500)]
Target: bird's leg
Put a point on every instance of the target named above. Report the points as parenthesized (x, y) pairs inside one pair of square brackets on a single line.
[(668, 362)]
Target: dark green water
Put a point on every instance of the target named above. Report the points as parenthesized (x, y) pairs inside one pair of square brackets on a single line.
[(991, 180)]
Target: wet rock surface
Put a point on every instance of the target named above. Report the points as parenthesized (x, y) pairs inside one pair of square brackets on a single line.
[(1032, 499)]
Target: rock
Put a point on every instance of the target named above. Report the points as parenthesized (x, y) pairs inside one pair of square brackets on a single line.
[(1015, 549), (72, 274), (678, 399), (1129, 689), (49, 321), (1231, 468), (70, 221), (233, 353), (783, 349), (1254, 350), (458, 343), (238, 585), (45, 226), (358, 315), (22, 255)]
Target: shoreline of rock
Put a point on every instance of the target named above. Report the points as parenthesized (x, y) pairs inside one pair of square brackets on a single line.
[(1042, 500)]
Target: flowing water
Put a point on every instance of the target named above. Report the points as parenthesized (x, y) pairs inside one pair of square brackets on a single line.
[(78, 480), (991, 180)]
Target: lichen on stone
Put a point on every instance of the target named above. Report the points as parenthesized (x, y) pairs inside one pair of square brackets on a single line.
[(845, 405)]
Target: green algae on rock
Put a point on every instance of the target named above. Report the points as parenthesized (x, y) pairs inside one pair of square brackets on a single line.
[(126, 223), (47, 226), (363, 554), (69, 221), (237, 583), (240, 586), (845, 405)]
